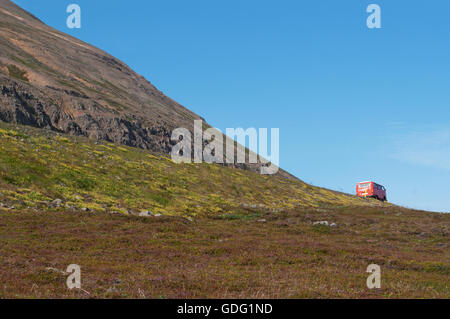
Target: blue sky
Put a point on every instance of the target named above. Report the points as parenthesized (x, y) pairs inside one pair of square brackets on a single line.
[(352, 103)]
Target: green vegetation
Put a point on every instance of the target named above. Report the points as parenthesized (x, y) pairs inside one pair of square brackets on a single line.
[(223, 232), (109, 177), (17, 73)]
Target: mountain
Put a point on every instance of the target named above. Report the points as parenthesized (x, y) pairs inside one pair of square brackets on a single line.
[(49, 79)]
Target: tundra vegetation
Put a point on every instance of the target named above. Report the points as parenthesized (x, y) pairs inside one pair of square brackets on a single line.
[(208, 231)]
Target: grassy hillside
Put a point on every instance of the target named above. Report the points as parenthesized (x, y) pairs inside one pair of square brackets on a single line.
[(37, 167), (222, 232)]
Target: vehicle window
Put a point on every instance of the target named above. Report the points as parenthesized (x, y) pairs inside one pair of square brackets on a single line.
[(364, 185)]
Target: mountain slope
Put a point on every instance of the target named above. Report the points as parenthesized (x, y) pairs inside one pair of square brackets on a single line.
[(50, 79), (38, 166), (141, 226)]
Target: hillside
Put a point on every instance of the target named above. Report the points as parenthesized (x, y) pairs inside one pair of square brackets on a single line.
[(208, 231), (39, 166), (85, 178), (49, 79)]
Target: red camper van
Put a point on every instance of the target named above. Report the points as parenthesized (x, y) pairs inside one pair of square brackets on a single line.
[(371, 189)]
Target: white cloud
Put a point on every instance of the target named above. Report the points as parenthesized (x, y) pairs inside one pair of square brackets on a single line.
[(426, 148)]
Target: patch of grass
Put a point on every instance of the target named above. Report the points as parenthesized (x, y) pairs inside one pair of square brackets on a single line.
[(213, 258), (239, 216), (17, 73), (438, 267), (32, 63), (160, 199), (323, 229)]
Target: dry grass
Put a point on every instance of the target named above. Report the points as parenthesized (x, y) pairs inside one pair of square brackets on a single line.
[(171, 257), (224, 251)]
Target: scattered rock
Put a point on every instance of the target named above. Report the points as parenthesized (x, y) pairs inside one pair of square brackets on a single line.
[(57, 202), (85, 209), (146, 214), (255, 206), (325, 223), (261, 220)]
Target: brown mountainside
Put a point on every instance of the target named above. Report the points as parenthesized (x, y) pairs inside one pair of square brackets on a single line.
[(49, 79)]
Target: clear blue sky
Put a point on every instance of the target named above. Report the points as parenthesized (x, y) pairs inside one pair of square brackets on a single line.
[(352, 104)]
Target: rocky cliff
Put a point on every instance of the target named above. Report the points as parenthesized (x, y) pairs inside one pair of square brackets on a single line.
[(49, 79)]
